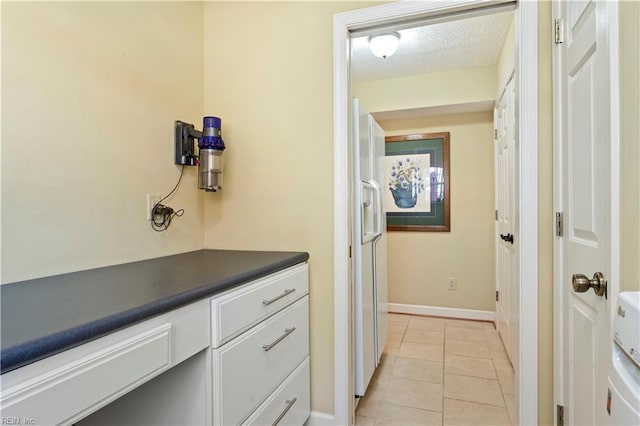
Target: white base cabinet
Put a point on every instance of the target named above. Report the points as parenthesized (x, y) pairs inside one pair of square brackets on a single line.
[(239, 357), (252, 371), (180, 396), (65, 388), (290, 404)]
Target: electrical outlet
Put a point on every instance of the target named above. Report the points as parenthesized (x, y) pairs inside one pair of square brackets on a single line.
[(452, 283), (152, 200)]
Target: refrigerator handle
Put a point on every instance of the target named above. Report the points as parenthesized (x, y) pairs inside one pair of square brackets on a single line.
[(367, 210), (378, 209)]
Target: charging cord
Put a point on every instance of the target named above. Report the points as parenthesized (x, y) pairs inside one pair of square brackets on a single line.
[(162, 215)]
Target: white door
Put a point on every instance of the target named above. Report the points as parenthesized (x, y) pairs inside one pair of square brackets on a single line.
[(506, 243), (585, 138)]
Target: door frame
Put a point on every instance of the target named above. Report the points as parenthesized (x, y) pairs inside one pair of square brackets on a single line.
[(526, 15), (613, 281)]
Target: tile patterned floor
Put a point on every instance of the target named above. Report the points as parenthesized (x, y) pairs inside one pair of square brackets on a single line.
[(438, 371)]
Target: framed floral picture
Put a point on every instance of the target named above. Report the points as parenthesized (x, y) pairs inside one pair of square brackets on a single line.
[(416, 192)]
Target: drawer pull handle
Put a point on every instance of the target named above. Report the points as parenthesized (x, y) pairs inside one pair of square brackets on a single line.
[(289, 403), (275, 299), (287, 331)]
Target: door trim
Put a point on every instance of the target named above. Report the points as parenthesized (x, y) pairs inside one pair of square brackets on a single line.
[(526, 15), (526, 350), (613, 285)]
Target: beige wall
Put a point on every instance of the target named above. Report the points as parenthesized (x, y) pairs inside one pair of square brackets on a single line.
[(466, 252), (107, 82), (546, 409), (90, 92), (428, 90), (630, 145), (420, 262), (268, 74)]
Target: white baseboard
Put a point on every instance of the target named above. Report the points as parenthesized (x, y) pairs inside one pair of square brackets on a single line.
[(320, 419), (437, 311)]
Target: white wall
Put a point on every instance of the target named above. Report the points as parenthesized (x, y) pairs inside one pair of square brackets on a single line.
[(90, 92)]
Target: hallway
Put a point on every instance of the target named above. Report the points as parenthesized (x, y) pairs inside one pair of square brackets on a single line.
[(438, 371)]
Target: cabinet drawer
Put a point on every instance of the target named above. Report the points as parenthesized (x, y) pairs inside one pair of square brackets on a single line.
[(290, 404), (247, 369), (237, 311), (68, 393)]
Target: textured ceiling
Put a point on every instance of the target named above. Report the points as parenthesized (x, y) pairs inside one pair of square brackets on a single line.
[(465, 43)]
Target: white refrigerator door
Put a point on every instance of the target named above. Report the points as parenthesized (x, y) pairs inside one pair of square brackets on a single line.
[(380, 243), (363, 256)]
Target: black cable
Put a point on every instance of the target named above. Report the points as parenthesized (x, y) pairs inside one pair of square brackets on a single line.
[(166, 216), (174, 188), (165, 213)]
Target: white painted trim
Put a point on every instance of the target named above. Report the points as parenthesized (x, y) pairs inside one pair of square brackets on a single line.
[(527, 63), (437, 311), (318, 418), (558, 295), (613, 287), (527, 107), (392, 14), (342, 283)]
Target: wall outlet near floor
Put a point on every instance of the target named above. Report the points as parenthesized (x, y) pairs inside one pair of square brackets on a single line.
[(452, 283), (152, 200)]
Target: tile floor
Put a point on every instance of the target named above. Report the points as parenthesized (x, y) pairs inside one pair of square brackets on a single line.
[(438, 371)]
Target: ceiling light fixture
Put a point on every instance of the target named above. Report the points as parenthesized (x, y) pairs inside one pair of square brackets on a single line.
[(384, 45)]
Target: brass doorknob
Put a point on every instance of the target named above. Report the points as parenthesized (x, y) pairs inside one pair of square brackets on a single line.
[(582, 283)]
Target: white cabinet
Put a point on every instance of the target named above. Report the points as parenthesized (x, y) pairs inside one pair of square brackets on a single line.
[(238, 310), (67, 387), (253, 372), (289, 404), (179, 396), (240, 356)]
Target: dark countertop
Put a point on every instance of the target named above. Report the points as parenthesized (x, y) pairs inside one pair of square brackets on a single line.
[(45, 316)]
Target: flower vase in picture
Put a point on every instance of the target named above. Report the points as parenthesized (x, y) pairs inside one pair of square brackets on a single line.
[(405, 183), (416, 182)]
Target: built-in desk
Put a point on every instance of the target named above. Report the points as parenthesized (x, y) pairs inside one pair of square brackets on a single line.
[(162, 341)]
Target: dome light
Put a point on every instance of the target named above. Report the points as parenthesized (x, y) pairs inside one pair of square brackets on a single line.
[(384, 45)]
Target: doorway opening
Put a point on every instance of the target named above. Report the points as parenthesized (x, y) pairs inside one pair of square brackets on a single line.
[(397, 16)]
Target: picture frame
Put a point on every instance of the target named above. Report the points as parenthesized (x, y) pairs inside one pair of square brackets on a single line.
[(417, 187)]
